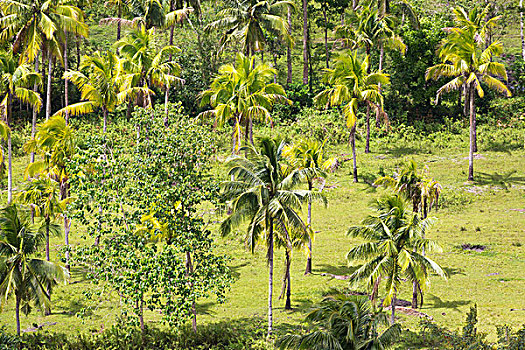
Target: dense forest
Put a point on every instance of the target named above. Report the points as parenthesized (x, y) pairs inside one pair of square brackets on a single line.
[(244, 174)]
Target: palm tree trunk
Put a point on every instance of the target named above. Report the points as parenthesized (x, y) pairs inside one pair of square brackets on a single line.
[(17, 314), (472, 135), (381, 60), (326, 51), (308, 269), (33, 121), (415, 288), (9, 151), (77, 43), (66, 81), (129, 110), (521, 31), (48, 222), (119, 15), (105, 113), (49, 76), (67, 223), (189, 271), (305, 41), (367, 145), (288, 304), (373, 297), (466, 102), (393, 305), (352, 142), (289, 49), (166, 99), (270, 277)]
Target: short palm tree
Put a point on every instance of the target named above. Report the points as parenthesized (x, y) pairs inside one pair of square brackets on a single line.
[(16, 81), (394, 238), (263, 195), (351, 84), (99, 82), (242, 93), (249, 21), (466, 60), (309, 157), (22, 275), (145, 67), (344, 322)]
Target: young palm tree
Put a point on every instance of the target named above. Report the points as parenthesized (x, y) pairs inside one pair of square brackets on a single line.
[(344, 322), (309, 157), (248, 21), (145, 66), (263, 196), (16, 80), (99, 82), (351, 84), (22, 275), (467, 61), (243, 93), (394, 238)]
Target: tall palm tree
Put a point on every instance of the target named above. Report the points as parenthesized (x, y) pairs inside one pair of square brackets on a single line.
[(22, 275), (351, 84), (394, 238), (99, 81), (143, 13), (262, 195), (309, 157), (344, 322), (467, 61), (123, 8), (145, 66), (243, 92), (248, 21), (305, 43), (16, 81), (54, 142)]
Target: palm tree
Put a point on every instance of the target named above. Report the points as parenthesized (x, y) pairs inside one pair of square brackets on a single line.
[(263, 196), (16, 81), (21, 274), (123, 8), (99, 82), (344, 322), (351, 84), (145, 66), (394, 238), (465, 60), (305, 42), (309, 156), (243, 93), (55, 143), (249, 20)]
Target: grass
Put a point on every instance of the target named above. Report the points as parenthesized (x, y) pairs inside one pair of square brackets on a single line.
[(479, 213)]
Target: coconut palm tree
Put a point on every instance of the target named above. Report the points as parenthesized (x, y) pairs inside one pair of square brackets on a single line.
[(243, 92), (145, 66), (394, 238), (16, 81), (344, 322), (469, 64), (351, 84), (123, 8), (263, 196), (143, 13), (309, 156), (99, 82), (22, 275), (248, 21)]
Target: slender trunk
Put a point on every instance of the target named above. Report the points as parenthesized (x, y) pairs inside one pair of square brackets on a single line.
[(9, 154), (140, 310), (415, 288), (166, 99), (367, 145), (49, 76), (325, 17), (308, 269), (521, 31), (189, 271), (77, 43), (129, 110), (288, 304), (250, 130), (119, 15), (289, 49), (472, 135), (270, 277), (305, 41), (67, 223), (373, 297), (466, 100), (17, 314), (352, 142), (381, 60), (474, 124), (105, 113), (48, 222), (393, 318), (33, 121), (66, 81)]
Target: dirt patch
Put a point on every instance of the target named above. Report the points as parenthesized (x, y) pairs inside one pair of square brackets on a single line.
[(410, 312), (473, 247), (337, 277)]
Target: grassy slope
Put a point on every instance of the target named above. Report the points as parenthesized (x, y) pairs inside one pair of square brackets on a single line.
[(492, 279)]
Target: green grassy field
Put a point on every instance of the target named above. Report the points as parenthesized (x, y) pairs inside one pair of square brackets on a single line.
[(488, 212)]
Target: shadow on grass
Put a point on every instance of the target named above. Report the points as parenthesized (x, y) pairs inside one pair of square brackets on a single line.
[(504, 181), (337, 270), (438, 303), (402, 151), (453, 271), (235, 270)]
